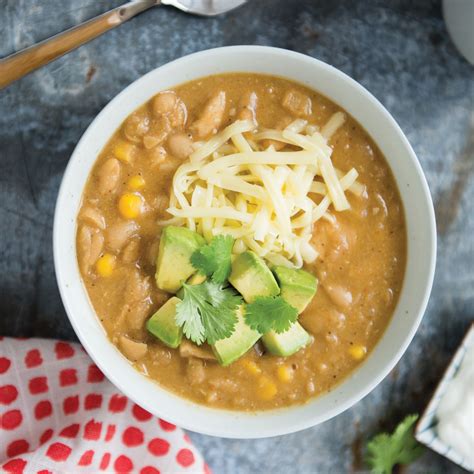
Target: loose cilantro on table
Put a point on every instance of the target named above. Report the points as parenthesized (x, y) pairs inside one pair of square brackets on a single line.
[(207, 312), (213, 259), (268, 313), (385, 451)]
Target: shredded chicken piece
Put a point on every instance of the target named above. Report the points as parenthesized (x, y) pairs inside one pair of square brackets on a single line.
[(188, 349), (211, 117)]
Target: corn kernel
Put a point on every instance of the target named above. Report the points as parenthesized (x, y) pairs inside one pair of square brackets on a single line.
[(266, 388), (136, 182), (130, 205), (357, 351), (251, 367), (105, 265), (124, 151), (284, 373)]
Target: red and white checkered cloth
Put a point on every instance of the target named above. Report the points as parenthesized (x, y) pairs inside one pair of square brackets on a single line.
[(58, 414)]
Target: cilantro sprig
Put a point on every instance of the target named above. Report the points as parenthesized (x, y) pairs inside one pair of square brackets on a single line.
[(270, 312), (207, 312), (214, 259), (385, 451)]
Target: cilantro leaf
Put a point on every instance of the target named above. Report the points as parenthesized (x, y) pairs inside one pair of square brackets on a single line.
[(384, 451), (188, 316), (213, 259), (220, 321), (207, 312), (270, 312)]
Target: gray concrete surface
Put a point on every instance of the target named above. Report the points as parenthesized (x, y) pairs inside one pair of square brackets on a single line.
[(398, 49)]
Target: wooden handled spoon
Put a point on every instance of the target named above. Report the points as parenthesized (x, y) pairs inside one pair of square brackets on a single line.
[(19, 64)]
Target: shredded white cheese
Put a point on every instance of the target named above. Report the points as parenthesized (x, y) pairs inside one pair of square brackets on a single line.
[(267, 200)]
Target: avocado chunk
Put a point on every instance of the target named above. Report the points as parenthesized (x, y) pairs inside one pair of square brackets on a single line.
[(288, 342), (195, 279), (163, 324), (173, 265), (297, 287), (251, 277), (228, 350)]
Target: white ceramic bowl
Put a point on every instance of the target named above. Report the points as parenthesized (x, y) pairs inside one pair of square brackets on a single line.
[(420, 227)]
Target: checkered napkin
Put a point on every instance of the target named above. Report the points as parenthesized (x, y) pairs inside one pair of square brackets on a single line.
[(58, 414)]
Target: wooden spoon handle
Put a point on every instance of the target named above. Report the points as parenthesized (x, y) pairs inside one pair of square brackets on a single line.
[(19, 64)]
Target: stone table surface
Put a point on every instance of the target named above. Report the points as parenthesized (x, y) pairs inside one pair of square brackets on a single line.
[(398, 49)]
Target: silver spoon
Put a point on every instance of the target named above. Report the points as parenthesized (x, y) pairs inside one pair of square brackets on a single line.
[(19, 64)]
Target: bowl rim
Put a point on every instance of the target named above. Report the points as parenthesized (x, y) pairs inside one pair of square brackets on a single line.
[(235, 424)]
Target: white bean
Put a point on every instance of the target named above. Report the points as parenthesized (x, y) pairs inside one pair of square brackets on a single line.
[(158, 132), (131, 349), (150, 141), (339, 295), (109, 175), (90, 242), (180, 145), (157, 155), (164, 103)]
